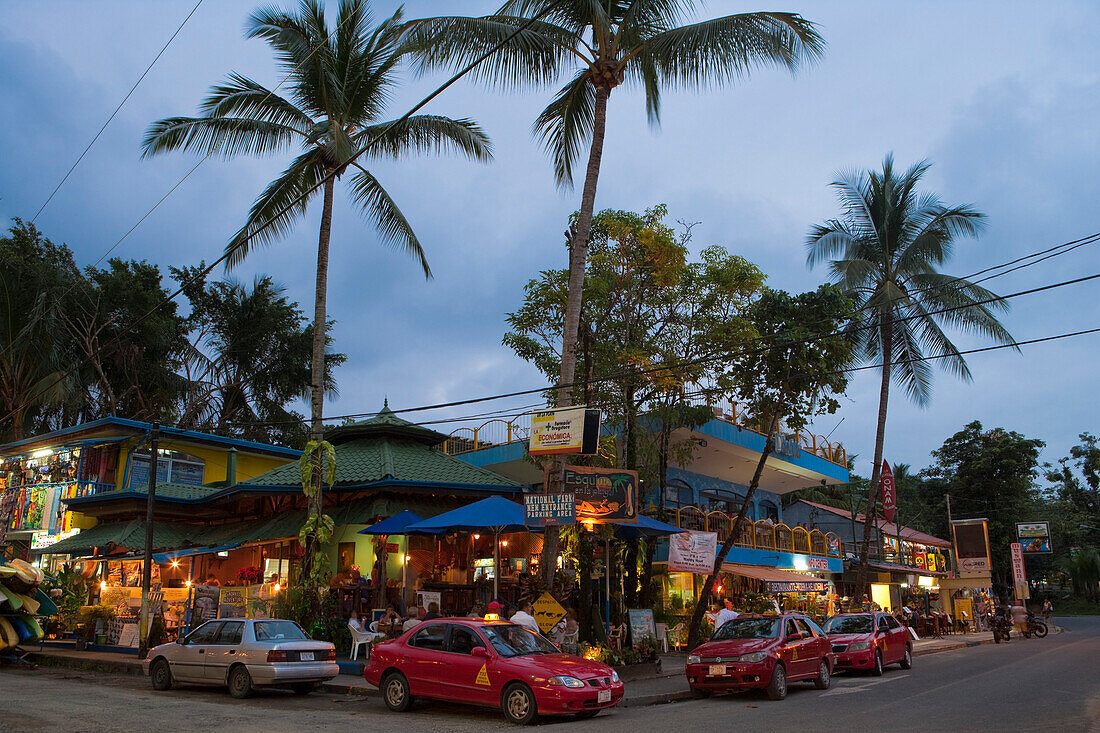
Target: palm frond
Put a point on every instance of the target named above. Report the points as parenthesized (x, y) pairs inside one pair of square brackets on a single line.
[(428, 134), (908, 367), (282, 202), (243, 97), (566, 125), (377, 205), (227, 136), (575, 15), (726, 49)]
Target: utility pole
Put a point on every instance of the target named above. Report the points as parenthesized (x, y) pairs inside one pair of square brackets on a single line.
[(147, 565), (951, 555)]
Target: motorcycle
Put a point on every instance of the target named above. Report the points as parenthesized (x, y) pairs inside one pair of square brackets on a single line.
[(1036, 626), (1001, 626)]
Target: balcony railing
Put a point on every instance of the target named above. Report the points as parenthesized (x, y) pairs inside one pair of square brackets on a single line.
[(934, 557), (762, 535), (500, 431)]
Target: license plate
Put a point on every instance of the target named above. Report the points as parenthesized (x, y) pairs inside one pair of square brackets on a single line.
[(717, 670), (604, 696), (307, 656)]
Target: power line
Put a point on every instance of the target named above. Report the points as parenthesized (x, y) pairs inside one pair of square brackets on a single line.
[(202, 273), (119, 107)]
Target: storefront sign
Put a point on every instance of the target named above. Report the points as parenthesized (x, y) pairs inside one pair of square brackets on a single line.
[(692, 552), (603, 494), (1034, 537), (547, 612), (232, 603), (641, 624), (426, 597), (889, 493), (576, 430), (810, 585), (205, 604), (544, 510), (972, 547), (45, 539)]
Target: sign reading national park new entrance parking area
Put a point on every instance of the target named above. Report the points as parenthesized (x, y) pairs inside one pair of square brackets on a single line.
[(603, 494), (544, 510)]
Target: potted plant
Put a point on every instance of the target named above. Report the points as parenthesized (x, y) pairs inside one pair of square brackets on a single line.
[(250, 575), (96, 620)]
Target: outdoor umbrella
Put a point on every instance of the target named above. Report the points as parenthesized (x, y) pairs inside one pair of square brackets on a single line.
[(495, 514), (397, 524)]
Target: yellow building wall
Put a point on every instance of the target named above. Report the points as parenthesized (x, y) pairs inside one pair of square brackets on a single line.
[(364, 550), (215, 458)]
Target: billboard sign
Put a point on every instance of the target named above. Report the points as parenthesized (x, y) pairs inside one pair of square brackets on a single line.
[(972, 547), (1034, 537), (544, 510), (575, 430), (692, 552), (603, 494)]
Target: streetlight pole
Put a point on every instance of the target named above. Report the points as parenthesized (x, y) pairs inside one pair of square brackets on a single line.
[(147, 565)]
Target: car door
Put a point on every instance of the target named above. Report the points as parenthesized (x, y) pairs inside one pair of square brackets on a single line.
[(887, 643), (467, 673), (425, 663), (791, 653), (222, 651), (899, 635), (815, 644), (190, 660)]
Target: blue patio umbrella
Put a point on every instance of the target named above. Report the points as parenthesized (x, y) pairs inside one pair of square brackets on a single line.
[(494, 514), (645, 528), (397, 524)]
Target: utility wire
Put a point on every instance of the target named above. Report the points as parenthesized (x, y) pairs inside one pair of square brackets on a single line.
[(119, 107)]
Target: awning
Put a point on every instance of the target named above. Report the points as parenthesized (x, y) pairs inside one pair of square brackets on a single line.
[(167, 557), (778, 581)]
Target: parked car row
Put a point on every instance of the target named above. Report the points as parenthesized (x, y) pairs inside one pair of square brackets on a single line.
[(495, 663)]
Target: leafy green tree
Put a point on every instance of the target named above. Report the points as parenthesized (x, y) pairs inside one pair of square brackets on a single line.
[(885, 251), (340, 82), (797, 374), (991, 474), (34, 348), (600, 45), (250, 358)]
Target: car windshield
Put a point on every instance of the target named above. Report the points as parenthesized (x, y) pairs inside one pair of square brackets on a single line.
[(848, 625), (512, 640), (279, 631), (747, 628)]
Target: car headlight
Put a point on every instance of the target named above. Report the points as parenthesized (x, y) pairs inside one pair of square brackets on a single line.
[(858, 646), (614, 676), (566, 681), (693, 659), (754, 657)]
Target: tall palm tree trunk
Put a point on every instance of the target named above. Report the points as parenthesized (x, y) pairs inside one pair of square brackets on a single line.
[(887, 334), (320, 317), (578, 258)]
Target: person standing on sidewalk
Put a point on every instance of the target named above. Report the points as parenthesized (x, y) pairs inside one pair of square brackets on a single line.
[(1019, 616)]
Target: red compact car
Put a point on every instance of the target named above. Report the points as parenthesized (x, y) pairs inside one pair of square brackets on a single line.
[(869, 641), (762, 652), (490, 663)]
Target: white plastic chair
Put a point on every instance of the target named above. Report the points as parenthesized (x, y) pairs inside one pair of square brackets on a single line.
[(662, 636), (674, 633), (359, 637)]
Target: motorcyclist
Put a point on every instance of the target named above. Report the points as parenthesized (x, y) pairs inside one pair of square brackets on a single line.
[(1002, 617)]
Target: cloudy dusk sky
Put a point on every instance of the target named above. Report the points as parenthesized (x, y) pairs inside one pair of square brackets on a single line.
[(1001, 96)]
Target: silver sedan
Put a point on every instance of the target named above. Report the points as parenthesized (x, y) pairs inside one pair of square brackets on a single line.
[(244, 654)]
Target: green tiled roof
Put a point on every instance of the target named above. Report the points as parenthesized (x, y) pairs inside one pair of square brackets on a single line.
[(167, 490), (367, 460), (385, 423), (130, 535)]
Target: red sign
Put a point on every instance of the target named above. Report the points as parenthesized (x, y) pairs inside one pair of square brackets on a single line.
[(889, 492), (1019, 574)]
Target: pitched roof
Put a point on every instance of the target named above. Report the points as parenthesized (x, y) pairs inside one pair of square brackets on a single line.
[(887, 528), (385, 423)]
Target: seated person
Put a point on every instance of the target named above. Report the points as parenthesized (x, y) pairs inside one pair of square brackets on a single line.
[(355, 623), (433, 612), (212, 579), (413, 618)]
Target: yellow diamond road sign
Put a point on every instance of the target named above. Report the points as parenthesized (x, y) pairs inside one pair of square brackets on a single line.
[(548, 612)]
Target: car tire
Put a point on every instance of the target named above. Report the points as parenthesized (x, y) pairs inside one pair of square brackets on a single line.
[(304, 688), (824, 678), (160, 675), (240, 682), (700, 694), (877, 669), (395, 692), (907, 658), (518, 704), (777, 688)]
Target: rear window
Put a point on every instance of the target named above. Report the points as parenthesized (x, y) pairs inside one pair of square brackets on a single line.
[(279, 631)]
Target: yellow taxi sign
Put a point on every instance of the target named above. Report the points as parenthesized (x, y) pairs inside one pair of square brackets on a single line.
[(548, 612)]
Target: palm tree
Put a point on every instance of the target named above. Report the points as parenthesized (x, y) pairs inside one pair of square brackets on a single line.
[(605, 43), (602, 44), (885, 251), (339, 83)]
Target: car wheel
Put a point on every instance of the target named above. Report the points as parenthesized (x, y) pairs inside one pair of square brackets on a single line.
[(823, 679), (395, 691), (160, 675), (240, 682), (877, 670), (518, 704), (700, 694), (907, 658), (303, 688), (777, 688)]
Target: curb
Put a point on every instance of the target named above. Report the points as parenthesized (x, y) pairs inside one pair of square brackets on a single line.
[(659, 699)]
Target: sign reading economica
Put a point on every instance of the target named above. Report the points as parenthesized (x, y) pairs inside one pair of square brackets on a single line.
[(544, 510), (692, 552), (1034, 537), (575, 430), (603, 494)]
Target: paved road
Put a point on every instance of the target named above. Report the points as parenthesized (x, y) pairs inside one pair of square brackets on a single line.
[(1036, 684)]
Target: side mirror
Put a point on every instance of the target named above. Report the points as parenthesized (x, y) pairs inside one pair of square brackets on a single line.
[(181, 640), (479, 651)]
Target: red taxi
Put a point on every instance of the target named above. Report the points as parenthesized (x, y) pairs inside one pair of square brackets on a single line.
[(490, 663), (869, 641), (761, 652)]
